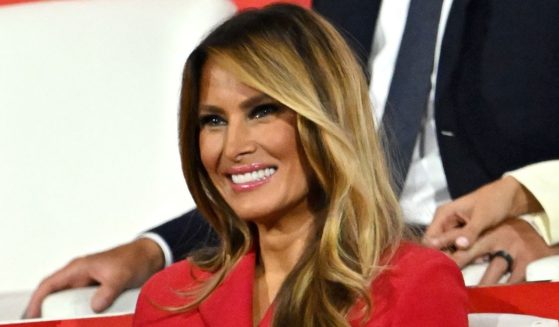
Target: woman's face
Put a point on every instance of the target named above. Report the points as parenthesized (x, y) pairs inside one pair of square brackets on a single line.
[(250, 148)]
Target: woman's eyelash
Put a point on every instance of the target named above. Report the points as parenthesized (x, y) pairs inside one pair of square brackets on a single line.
[(210, 120), (258, 112), (264, 110)]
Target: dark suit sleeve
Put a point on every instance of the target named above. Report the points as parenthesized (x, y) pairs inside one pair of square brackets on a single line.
[(497, 97), (186, 233)]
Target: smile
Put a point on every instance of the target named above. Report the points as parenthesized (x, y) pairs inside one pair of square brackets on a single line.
[(254, 176)]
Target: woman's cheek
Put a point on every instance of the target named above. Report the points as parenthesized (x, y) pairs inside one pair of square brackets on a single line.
[(209, 151)]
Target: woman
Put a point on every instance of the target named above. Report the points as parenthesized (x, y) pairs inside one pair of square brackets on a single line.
[(279, 151)]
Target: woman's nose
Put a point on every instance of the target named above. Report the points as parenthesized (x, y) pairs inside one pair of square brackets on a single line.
[(239, 141)]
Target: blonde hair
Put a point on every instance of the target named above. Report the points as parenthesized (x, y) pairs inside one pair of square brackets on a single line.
[(296, 57)]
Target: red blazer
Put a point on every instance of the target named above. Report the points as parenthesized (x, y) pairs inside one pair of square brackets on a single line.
[(420, 287)]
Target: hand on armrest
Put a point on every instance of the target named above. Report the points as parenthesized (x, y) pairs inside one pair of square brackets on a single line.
[(115, 270), (461, 222)]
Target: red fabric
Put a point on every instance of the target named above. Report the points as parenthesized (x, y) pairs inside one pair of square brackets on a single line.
[(12, 2), (243, 4), (537, 299), (113, 321), (421, 287)]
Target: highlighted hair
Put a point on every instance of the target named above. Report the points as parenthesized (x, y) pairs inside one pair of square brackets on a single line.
[(296, 57)]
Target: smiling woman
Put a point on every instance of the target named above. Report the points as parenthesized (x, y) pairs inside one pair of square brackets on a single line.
[(249, 147), (279, 151)]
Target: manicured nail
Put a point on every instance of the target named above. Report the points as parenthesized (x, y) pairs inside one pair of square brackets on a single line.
[(462, 242)]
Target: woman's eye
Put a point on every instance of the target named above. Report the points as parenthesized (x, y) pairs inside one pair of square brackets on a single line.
[(211, 121), (264, 110)]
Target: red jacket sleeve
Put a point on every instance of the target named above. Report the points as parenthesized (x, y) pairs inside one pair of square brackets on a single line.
[(435, 295), (420, 287)]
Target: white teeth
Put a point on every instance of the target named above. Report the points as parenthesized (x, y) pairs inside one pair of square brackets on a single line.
[(253, 176)]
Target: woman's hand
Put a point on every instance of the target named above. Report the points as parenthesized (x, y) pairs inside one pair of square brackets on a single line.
[(460, 222)]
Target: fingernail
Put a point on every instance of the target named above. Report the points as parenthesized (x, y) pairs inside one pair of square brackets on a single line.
[(462, 242)]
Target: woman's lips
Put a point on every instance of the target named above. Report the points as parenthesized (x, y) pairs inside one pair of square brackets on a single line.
[(245, 178), (253, 176)]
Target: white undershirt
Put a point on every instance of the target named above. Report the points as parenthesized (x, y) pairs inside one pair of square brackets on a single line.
[(425, 187)]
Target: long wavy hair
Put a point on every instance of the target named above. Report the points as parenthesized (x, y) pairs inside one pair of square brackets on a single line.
[(299, 59)]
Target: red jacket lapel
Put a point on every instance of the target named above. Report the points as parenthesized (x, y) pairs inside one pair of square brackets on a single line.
[(231, 303)]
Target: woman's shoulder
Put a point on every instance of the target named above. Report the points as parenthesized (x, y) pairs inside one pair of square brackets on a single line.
[(419, 284), (165, 290), (411, 262), (408, 253), (169, 283)]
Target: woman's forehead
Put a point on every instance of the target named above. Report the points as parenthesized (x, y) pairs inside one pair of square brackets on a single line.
[(219, 82)]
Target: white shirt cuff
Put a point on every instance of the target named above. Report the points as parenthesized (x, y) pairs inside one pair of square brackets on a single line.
[(539, 222), (542, 181), (167, 254)]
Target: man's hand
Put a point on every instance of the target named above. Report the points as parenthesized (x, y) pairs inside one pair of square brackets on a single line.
[(460, 222), (115, 270), (514, 236)]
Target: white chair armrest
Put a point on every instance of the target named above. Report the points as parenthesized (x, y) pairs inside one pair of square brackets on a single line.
[(12, 305), (543, 269), (76, 303), (508, 320)]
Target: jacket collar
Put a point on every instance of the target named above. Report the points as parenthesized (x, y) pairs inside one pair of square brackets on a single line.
[(230, 304)]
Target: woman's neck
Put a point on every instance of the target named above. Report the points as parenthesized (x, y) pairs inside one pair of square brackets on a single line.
[(280, 247)]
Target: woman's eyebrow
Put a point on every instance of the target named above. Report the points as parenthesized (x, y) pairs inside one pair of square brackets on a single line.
[(245, 104), (209, 109), (255, 100)]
